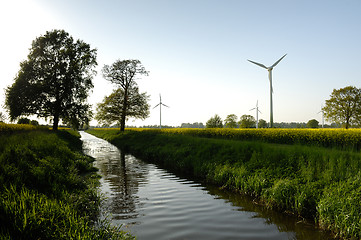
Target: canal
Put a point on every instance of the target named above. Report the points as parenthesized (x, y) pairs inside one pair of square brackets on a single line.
[(153, 203)]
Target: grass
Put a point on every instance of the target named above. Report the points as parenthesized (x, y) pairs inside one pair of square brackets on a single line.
[(321, 183), (49, 188)]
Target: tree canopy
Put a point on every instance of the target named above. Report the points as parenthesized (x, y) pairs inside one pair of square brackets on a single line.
[(123, 73), (262, 123), (110, 110), (215, 122), (344, 106), (313, 123), (231, 121), (247, 121), (54, 81)]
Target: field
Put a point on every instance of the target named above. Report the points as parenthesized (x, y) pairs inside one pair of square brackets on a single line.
[(48, 187), (311, 173)]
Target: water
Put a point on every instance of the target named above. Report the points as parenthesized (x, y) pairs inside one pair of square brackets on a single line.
[(153, 203)]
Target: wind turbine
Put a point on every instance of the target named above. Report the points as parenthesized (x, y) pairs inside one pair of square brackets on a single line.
[(160, 110), (323, 114), (269, 69), (256, 113)]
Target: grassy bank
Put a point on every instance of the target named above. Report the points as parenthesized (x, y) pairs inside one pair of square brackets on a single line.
[(48, 187), (313, 182)]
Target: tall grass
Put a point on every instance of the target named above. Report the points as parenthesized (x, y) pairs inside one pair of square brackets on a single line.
[(310, 181), (48, 189)]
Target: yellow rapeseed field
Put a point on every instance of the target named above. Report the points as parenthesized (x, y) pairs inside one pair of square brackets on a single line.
[(4, 127), (340, 138)]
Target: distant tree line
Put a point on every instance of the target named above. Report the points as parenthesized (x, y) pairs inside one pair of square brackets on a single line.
[(192, 125)]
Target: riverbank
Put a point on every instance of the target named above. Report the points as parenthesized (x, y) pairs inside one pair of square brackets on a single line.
[(313, 182), (48, 187)]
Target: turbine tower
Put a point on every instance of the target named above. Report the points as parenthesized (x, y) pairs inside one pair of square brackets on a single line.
[(256, 113), (323, 114), (160, 110), (269, 69)]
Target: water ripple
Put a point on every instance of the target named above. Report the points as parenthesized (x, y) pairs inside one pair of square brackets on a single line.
[(155, 204)]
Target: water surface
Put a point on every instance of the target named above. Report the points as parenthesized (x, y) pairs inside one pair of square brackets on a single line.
[(153, 203)]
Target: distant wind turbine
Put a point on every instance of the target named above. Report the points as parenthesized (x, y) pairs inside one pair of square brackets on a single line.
[(256, 113), (270, 81), (160, 110), (323, 116)]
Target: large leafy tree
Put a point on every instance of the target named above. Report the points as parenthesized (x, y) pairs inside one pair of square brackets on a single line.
[(344, 106), (110, 110), (123, 73), (313, 123), (231, 121), (262, 123), (54, 81), (247, 121), (215, 122)]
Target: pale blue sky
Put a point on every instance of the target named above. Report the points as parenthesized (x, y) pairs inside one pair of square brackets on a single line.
[(196, 51)]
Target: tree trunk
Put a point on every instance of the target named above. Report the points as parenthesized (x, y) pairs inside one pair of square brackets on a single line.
[(124, 110), (56, 121)]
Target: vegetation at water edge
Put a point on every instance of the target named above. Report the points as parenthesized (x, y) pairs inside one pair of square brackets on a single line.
[(317, 179), (48, 187)]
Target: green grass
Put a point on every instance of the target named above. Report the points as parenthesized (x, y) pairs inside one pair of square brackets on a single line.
[(322, 184), (48, 189)]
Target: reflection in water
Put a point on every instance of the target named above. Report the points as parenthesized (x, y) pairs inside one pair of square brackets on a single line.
[(155, 204)]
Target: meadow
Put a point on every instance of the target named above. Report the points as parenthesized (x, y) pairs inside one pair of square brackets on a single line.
[(48, 187), (314, 174)]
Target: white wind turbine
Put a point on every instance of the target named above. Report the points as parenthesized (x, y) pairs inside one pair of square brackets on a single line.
[(323, 116), (270, 81), (160, 110), (256, 113)]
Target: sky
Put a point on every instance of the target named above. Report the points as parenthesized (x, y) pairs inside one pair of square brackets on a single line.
[(196, 51)]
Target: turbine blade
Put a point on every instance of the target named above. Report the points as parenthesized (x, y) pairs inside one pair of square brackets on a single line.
[(278, 61), (156, 105), (165, 105), (259, 111), (252, 109), (259, 64)]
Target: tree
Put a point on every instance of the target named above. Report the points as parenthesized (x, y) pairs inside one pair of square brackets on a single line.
[(313, 123), (262, 123), (247, 121), (2, 117), (214, 122), (231, 121), (123, 73), (111, 109), (54, 80), (34, 123), (23, 121), (344, 106)]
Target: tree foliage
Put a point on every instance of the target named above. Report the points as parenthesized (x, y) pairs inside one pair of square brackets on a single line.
[(23, 121), (313, 123), (262, 123), (54, 80), (247, 121), (2, 117), (231, 121), (344, 106), (214, 122), (111, 109), (123, 74)]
